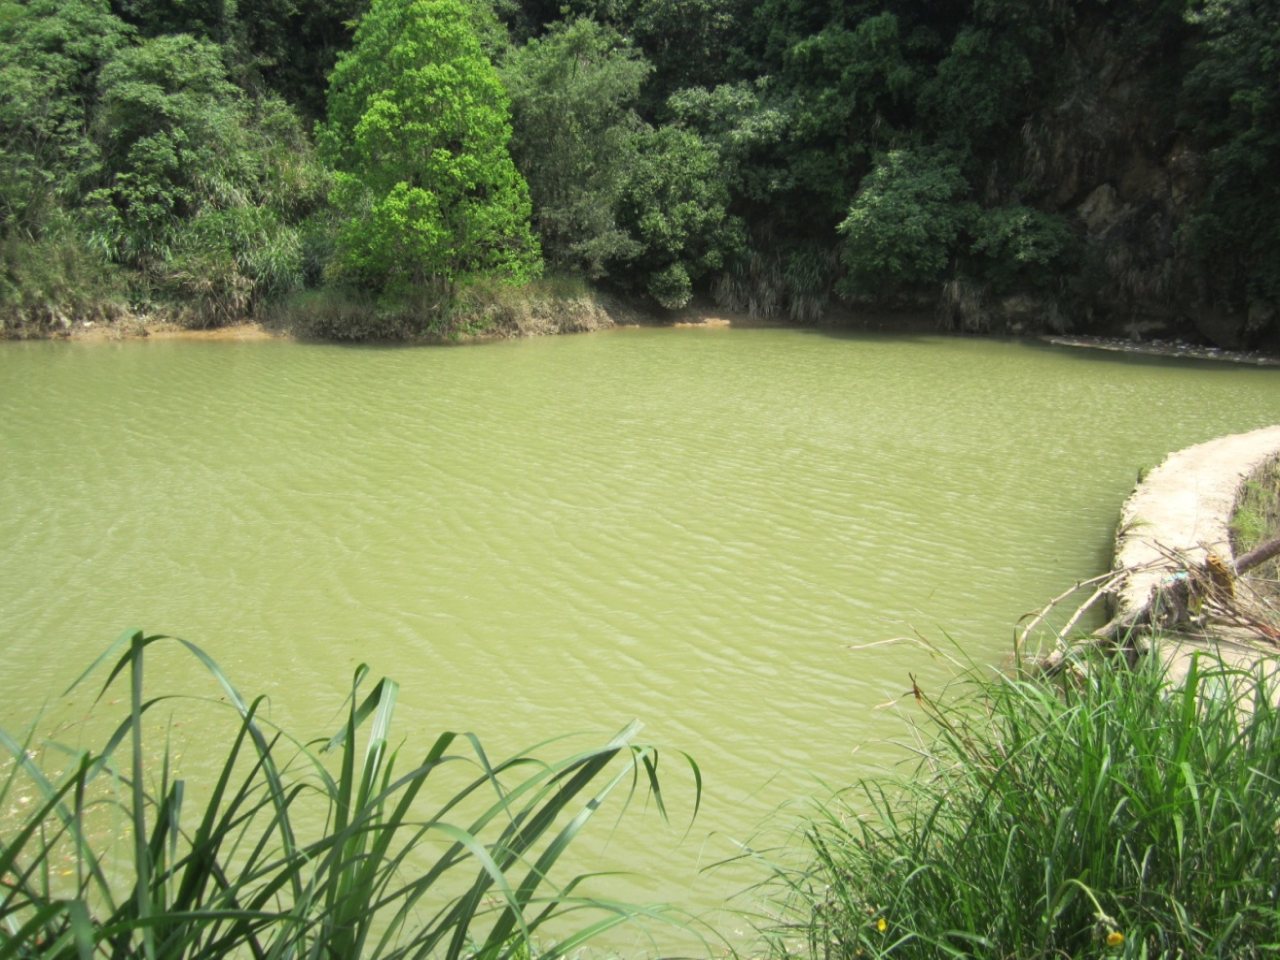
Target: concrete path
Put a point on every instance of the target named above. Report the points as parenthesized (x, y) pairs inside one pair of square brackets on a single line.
[(1182, 508)]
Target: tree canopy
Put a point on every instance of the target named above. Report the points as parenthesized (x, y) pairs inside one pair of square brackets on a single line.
[(418, 131), (1108, 164)]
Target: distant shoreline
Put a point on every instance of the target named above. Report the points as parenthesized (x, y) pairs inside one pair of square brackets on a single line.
[(1160, 348), (139, 328)]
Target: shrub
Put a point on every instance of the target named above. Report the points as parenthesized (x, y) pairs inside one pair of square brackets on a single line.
[(904, 224), (345, 314), (1019, 247), (47, 283), (227, 262)]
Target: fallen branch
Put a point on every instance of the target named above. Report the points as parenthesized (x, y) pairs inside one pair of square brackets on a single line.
[(1258, 555)]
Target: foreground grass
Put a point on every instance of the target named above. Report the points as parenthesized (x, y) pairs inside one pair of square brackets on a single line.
[(1109, 815), (243, 871)]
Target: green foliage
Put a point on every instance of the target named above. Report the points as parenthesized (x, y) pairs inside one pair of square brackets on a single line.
[(573, 93), (50, 54), (1115, 815), (1021, 248), (202, 185), (418, 133), (208, 19), (902, 229), (983, 84), (773, 117), (320, 850), (292, 46), (689, 42), (225, 261), (48, 282), (172, 130), (1232, 104), (674, 202), (748, 130)]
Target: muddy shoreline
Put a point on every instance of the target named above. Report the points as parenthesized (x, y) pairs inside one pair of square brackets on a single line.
[(137, 328)]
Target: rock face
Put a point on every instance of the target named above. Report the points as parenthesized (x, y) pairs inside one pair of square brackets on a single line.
[(1107, 155), (1103, 156)]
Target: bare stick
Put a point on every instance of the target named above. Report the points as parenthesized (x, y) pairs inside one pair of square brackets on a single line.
[(1259, 554)]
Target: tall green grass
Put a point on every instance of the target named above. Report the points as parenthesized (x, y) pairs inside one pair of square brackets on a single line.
[(306, 850), (1112, 814), (1256, 516)]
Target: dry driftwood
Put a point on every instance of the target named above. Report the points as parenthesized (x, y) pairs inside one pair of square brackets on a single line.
[(1172, 602), (1258, 555)]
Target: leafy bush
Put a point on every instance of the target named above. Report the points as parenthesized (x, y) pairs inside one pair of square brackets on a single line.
[(306, 850), (1018, 247), (226, 262), (50, 54), (573, 94), (674, 203), (48, 283), (1115, 814), (903, 227), (173, 130)]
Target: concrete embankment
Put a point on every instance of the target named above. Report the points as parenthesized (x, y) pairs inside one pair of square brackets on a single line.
[(1176, 517)]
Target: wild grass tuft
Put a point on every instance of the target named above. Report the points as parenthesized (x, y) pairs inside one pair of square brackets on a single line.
[(306, 850), (50, 282), (548, 305), (1112, 814), (1257, 512)]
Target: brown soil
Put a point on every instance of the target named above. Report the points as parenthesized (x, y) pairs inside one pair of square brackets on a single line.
[(135, 328)]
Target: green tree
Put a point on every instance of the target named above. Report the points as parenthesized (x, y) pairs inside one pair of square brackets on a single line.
[(573, 93), (689, 42), (905, 223), (202, 187), (172, 130), (418, 132), (295, 49), (675, 204), (50, 55)]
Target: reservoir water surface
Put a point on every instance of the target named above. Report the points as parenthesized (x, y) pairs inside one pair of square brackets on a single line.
[(713, 531)]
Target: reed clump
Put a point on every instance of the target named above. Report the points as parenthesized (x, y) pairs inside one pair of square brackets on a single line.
[(1108, 813), (305, 850)]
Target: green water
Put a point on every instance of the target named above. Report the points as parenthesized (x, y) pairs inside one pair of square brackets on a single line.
[(710, 530)]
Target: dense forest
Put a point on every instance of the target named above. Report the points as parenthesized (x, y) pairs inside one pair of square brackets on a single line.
[(1010, 165)]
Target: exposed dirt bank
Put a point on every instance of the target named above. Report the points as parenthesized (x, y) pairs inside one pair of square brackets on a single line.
[(139, 328), (539, 317)]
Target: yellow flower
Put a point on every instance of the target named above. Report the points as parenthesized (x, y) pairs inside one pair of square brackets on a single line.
[(1114, 938), (882, 925)]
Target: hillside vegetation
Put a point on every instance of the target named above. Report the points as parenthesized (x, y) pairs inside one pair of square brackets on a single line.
[(1077, 164)]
